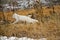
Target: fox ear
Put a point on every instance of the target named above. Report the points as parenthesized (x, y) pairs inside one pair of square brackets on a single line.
[(14, 13), (29, 16)]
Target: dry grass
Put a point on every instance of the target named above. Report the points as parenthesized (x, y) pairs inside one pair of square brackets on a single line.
[(49, 27)]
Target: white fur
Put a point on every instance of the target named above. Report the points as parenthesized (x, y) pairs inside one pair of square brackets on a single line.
[(29, 16), (23, 19)]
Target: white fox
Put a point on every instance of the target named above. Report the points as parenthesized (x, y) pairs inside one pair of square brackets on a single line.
[(22, 18)]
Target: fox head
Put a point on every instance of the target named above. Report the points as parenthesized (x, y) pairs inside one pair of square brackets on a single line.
[(15, 14)]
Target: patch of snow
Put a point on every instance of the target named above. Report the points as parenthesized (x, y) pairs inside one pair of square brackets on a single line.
[(11, 38), (43, 39), (44, 1), (3, 38), (16, 38)]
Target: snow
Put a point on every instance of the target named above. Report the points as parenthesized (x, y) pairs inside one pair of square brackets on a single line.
[(21, 4), (16, 38), (3, 38), (11, 38), (44, 1)]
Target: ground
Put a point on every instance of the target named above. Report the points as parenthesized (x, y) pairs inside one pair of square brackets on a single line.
[(48, 27)]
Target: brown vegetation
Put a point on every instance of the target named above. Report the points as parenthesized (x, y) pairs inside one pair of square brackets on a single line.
[(49, 26)]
